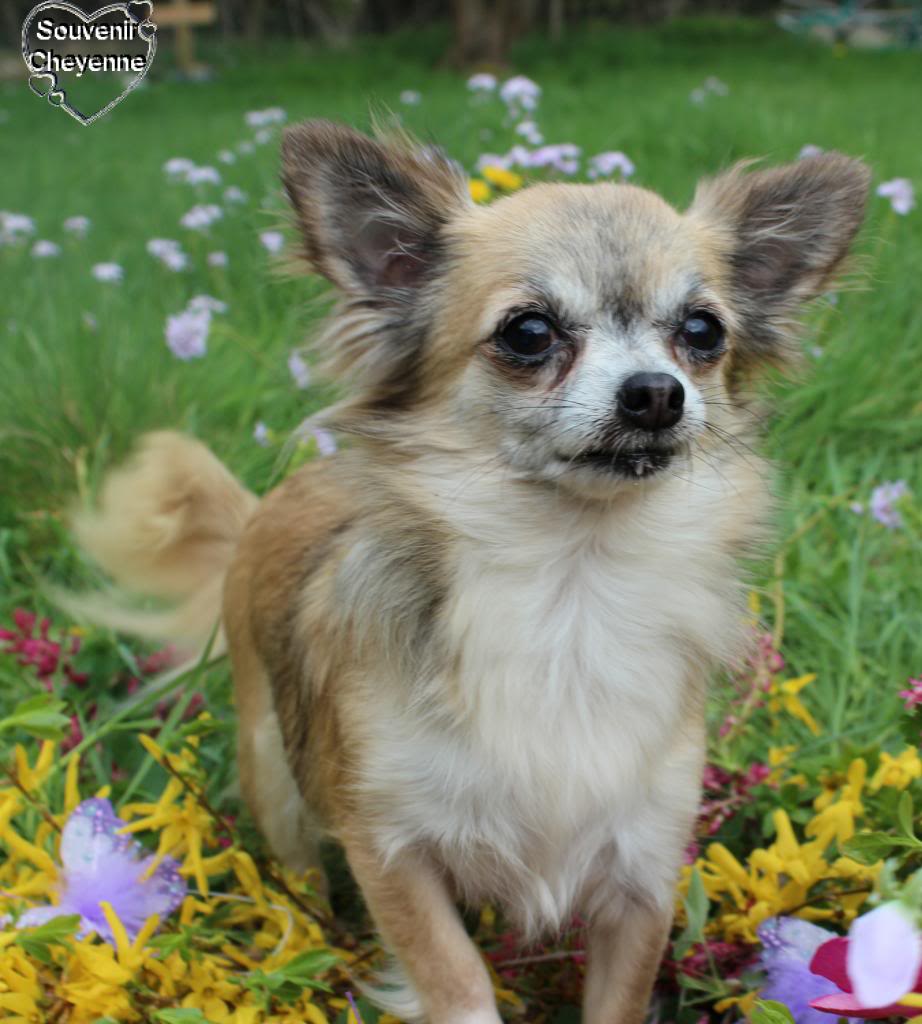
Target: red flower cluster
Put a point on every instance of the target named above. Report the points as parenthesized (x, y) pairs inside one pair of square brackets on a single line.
[(725, 793), (39, 650)]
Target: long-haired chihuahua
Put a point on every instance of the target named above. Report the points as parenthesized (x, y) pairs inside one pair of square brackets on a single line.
[(472, 647)]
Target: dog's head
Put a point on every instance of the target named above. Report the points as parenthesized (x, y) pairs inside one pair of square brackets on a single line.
[(581, 334)]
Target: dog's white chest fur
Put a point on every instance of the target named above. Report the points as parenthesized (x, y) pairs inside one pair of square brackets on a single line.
[(558, 749)]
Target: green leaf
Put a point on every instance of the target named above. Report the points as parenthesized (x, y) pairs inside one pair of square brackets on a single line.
[(767, 1011), (37, 942), (870, 847), (904, 815), (696, 914), (183, 1016), (39, 716)]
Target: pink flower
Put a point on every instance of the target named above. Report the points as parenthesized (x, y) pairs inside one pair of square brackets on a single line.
[(912, 697), (38, 650), (879, 962)]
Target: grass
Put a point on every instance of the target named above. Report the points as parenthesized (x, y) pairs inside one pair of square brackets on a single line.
[(73, 396)]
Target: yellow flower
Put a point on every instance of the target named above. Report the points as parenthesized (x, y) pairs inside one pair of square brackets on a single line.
[(785, 696), (20, 989), (508, 181), (777, 879), (95, 984), (746, 1003), (210, 991), (897, 772), (31, 778), (184, 828), (480, 190)]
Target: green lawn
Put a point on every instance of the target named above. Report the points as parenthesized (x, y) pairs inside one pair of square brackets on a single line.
[(72, 398), (84, 367)]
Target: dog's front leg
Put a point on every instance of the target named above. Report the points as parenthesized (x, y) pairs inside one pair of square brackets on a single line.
[(418, 921), (624, 956)]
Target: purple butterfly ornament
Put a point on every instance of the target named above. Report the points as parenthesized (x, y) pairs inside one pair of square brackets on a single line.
[(100, 865)]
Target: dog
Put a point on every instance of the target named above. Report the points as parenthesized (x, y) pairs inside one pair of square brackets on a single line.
[(473, 646)]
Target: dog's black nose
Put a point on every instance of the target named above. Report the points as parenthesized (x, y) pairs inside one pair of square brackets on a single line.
[(651, 401)]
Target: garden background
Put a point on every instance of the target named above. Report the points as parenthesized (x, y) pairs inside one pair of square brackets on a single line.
[(144, 285)]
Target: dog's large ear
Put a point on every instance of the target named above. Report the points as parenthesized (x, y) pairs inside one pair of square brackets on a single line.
[(784, 233), (370, 212)]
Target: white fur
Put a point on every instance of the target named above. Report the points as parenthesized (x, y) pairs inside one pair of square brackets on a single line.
[(556, 769)]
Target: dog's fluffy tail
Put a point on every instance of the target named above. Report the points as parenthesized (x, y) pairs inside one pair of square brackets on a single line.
[(166, 527)]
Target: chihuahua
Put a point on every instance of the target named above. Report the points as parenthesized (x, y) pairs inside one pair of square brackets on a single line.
[(472, 647)]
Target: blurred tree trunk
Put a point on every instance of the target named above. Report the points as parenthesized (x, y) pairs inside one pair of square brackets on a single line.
[(484, 31), (335, 21), (254, 19)]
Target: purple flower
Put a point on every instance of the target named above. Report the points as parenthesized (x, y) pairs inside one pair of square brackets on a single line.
[(604, 164), (563, 157), (42, 249), (14, 227), (217, 259), (713, 84), (99, 865), (233, 194), (520, 93), (809, 150), (491, 160), (273, 241), (326, 442), (411, 98), (206, 302), (187, 333), (245, 148), (203, 176), (883, 500), (226, 156), (77, 225), (530, 132), (262, 118), (483, 82), (299, 370), (111, 273), (901, 194), (169, 252), (788, 945), (201, 217), (261, 434), (263, 136), (178, 166)]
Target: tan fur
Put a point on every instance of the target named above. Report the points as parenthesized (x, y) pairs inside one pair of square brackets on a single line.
[(471, 655)]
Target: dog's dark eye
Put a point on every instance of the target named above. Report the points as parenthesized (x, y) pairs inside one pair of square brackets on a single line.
[(703, 332), (528, 336)]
